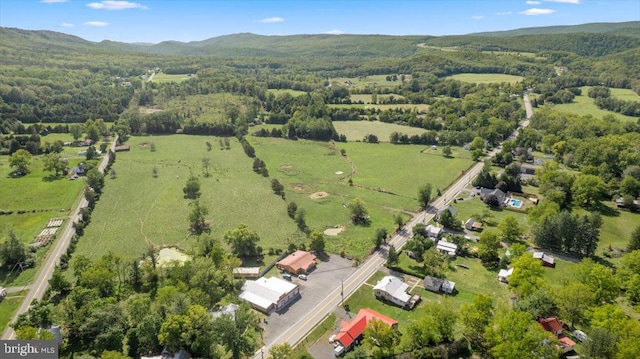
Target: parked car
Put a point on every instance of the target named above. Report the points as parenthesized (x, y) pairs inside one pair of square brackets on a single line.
[(302, 276), (286, 276)]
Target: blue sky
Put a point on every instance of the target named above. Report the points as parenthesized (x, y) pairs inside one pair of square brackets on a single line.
[(192, 20)]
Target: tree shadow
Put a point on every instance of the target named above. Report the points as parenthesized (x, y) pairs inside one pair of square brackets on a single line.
[(51, 178), (8, 277), (605, 210)]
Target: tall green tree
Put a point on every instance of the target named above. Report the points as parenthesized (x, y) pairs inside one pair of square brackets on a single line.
[(527, 275), (243, 241), (510, 228), (53, 162), (424, 195), (488, 248), (192, 188), (588, 190), (574, 300), (604, 285), (475, 318), (20, 161), (316, 242), (359, 214), (381, 339), (197, 216)]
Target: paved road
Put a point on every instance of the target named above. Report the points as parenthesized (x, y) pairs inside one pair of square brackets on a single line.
[(308, 322), (52, 258)]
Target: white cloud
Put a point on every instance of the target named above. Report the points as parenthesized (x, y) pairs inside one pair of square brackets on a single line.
[(536, 12), (335, 32), (52, 1), (504, 13), (95, 23), (115, 5), (565, 1), (477, 17), (532, 2), (272, 19), (66, 24)]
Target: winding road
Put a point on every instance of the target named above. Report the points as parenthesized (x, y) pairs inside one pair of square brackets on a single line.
[(305, 324), (40, 284)]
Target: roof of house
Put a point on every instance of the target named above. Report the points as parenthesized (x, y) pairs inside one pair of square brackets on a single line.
[(504, 273), (450, 248), (264, 292), (433, 230), (551, 324), (565, 341), (448, 286), (350, 331), (543, 257), (299, 260), (395, 287), (248, 271), (450, 209), (433, 282)]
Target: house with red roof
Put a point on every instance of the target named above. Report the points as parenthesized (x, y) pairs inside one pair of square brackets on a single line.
[(351, 332), (553, 325), (298, 262)]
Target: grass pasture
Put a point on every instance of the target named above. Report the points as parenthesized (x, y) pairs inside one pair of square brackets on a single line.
[(161, 77), (625, 94), (356, 130), (384, 106), (307, 167), (373, 81), (294, 93), (9, 306), (151, 210), (486, 78), (583, 105), (205, 108)]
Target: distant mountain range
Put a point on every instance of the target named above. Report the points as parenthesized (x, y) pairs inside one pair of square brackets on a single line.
[(625, 35)]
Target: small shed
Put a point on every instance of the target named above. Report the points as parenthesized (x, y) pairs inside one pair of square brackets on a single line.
[(432, 284), (472, 225), (246, 272), (448, 287), (504, 274), (433, 232), (447, 247)]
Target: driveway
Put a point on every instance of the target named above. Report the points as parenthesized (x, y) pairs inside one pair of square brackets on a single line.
[(325, 278)]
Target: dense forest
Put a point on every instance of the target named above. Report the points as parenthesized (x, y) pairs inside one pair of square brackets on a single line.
[(112, 308)]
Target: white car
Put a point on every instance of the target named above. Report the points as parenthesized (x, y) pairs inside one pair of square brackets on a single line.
[(302, 276), (331, 338)]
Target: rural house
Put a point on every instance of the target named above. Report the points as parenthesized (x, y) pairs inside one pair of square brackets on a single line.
[(433, 232), (504, 274), (500, 195), (453, 211), (351, 332), (545, 259), (553, 325), (472, 225), (298, 262), (269, 294), (447, 247), (394, 290)]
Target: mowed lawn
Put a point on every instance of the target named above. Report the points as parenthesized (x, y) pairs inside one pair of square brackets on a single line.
[(583, 105), (161, 77), (307, 167), (625, 94), (137, 209), (357, 130), (486, 78)]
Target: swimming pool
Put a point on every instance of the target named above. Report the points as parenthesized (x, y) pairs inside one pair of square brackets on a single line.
[(515, 203)]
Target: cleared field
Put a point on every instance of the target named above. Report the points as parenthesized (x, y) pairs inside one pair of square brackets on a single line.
[(294, 93), (373, 81), (307, 167), (161, 77), (206, 108), (625, 94), (151, 210), (9, 307), (383, 107), (583, 105), (486, 78), (356, 130), (366, 98)]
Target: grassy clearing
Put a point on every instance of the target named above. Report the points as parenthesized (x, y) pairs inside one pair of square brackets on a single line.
[(205, 108), (616, 228), (161, 77), (583, 105), (373, 81), (306, 167), (366, 98), (486, 78), (152, 210), (294, 93), (9, 306), (357, 130), (385, 107), (625, 94)]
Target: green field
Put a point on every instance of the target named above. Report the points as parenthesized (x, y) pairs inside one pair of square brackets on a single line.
[(307, 167), (383, 107), (373, 81), (9, 306), (151, 210), (356, 130), (161, 77), (625, 94), (486, 78), (583, 105), (469, 208), (294, 93)]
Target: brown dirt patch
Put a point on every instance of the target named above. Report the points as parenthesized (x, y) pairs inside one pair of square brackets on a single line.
[(318, 195), (300, 188), (334, 231)]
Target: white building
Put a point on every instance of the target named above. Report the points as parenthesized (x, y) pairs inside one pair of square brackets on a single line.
[(394, 290), (269, 294), (504, 274), (433, 232), (447, 247)]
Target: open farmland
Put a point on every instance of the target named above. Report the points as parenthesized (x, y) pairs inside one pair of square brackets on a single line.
[(152, 210), (486, 78), (356, 130), (583, 105), (161, 77), (625, 94)]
